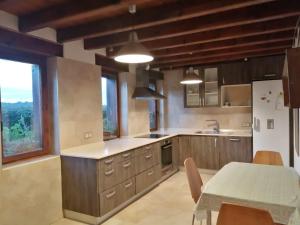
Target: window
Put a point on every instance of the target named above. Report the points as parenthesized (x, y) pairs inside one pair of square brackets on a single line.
[(110, 106), (21, 110), (153, 109)]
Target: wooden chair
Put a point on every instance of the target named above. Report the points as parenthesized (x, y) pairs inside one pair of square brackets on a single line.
[(268, 158), (194, 179), (230, 214)]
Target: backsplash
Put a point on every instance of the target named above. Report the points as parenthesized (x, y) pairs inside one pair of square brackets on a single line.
[(180, 117)]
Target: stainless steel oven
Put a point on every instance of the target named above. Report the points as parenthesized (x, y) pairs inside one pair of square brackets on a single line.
[(166, 154)]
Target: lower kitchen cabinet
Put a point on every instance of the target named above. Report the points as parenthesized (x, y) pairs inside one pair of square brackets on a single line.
[(96, 187), (185, 148), (213, 152), (205, 152), (175, 152), (147, 178), (235, 149)]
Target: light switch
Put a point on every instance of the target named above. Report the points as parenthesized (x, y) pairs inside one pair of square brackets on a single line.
[(270, 123)]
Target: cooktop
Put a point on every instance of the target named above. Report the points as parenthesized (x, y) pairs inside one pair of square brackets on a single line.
[(153, 136)]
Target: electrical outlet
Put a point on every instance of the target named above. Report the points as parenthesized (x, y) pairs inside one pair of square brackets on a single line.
[(88, 135)]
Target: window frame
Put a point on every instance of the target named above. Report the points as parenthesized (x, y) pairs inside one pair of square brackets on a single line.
[(154, 83), (114, 76), (41, 61)]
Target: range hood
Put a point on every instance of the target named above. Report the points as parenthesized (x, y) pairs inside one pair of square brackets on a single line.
[(142, 90)]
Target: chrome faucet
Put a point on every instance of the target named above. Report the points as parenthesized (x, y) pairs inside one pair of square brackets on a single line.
[(216, 125)]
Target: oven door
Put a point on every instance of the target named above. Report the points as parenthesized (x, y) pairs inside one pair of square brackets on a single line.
[(166, 155)]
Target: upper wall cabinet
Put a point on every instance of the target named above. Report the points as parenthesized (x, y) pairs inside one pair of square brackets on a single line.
[(266, 68), (291, 78), (205, 94), (234, 73)]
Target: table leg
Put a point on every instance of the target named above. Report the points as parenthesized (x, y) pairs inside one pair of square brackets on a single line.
[(208, 218)]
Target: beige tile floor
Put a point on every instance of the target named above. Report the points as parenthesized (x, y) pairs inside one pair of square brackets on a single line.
[(168, 204)]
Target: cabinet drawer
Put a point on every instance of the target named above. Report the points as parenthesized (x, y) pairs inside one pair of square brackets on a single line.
[(126, 155), (148, 177), (143, 150), (108, 173), (109, 200), (126, 169), (144, 161), (127, 190)]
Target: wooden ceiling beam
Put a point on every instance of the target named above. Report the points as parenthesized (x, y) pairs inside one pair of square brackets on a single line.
[(253, 14), (109, 64), (66, 11), (171, 12), (226, 44), (224, 52), (221, 59), (243, 31), (27, 43)]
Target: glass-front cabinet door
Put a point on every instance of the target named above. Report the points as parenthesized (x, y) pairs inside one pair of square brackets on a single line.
[(205, 94)]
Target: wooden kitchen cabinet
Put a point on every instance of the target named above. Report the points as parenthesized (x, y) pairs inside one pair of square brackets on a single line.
[(234, 73), (235, 149), (205, 152), (175, 152), (185, 149), (205, 94), (266, 68), (147, 178), (96, 187)]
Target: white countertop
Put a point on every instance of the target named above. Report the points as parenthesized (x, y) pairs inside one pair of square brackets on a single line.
[(104, 149)]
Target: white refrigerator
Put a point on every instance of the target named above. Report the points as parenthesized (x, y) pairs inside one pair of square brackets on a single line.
[(270, 118)]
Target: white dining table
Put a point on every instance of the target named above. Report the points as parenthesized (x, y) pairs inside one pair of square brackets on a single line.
[(273, 188)]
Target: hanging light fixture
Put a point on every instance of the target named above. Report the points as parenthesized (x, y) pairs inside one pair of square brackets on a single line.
[(133, 51), (191, 77)]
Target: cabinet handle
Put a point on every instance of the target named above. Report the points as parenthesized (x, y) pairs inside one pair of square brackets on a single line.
[(110, 195), (128, 185), (270, 75), (125, 165), (200, 101), (148, 147), (109, 161), (235, 139), (216, 142), (150, 173), (110, 172), (125, 155), (148, 156)]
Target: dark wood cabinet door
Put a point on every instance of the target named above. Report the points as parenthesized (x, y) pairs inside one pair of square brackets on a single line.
[(205, 152), (266, 68), (185, 149), (234, 73), (235, 149)]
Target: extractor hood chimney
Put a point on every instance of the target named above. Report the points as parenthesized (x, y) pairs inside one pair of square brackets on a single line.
[(142, 90)]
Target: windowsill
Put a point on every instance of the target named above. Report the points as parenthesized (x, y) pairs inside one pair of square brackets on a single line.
[(28, 161)]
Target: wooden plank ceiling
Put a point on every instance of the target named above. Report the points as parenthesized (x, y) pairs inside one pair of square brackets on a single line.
[(179, 33)]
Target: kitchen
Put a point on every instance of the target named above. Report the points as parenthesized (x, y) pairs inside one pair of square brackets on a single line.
[(113, 139)]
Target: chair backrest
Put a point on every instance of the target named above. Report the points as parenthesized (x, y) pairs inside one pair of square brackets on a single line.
[(194, 178), (230, 214), (268, 158)]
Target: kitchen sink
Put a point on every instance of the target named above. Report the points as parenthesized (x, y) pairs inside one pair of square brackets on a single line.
[(213, 132)]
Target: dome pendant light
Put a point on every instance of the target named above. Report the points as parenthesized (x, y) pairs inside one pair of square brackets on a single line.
[(191, 77), (133, 51)]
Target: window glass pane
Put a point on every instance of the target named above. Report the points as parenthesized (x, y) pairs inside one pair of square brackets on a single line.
[(109, 107), (20, 107), (152, 109)]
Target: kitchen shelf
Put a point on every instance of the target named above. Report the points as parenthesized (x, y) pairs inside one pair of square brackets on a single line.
[(236, 96)]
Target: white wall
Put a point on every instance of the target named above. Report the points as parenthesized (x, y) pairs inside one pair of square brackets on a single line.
[(177, 116), (296, 157)]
